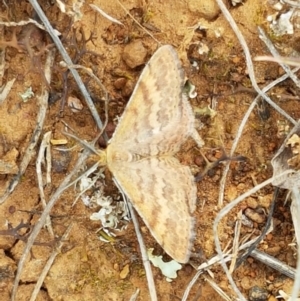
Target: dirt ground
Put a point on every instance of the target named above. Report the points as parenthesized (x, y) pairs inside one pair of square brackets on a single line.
[(86, 267)]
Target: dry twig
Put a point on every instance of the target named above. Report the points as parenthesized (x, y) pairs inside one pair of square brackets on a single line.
[(29, 21), (63, 186), (68, 60), (146, 262), (138, 24), (43, 104), (237, 232), (217, 288), (49, 263), (225, 211), (275, 54), (105, 15), (45, 145)]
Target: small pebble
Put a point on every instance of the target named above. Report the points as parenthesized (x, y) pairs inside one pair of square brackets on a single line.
[(208, 9), (128, 88), (125, 271), (60, 160), (75, 104), (257, 293), (252, 203), (254, 216), (120, 83), (134, 54), (12, 209)]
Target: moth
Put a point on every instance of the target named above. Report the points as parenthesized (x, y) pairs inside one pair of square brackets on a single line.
[(156, 121)]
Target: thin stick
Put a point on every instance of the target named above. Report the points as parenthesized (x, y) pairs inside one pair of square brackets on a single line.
[(240, 131), (291, 61), (63, 186), (225, 211), (69, 62), (5, 89), (217, 288), (255, 86), (138, 24), (106, 98), (49, 263), (190, 285), (258, 255), (235, 244), (146, 262), (2, 63), (49, 164), (135, 295), (105, 15), (292, 3), (249, 64), (44, 145), (29, 21), (84, 143), (94, 180), (206, 265), (296, 204), (43, 105), (275, 53), (274, 263), (84, 175)]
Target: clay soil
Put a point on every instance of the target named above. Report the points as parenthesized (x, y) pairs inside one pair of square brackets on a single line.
[(88, 268)]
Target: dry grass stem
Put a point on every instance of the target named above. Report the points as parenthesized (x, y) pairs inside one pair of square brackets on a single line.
[(213, 261), (146, 262), (138, 24), (235, 244), (105, 15), (295, 210), (69, 62), (29, 21), (275, 54), (30, 151), (135, 295), (292, 61), (45, 146), (224, 211), (274, 263), (217, 288), (5, 89), (190, 285), (240, 131), (49, 263), (2, 62), (292, 3), (249, 63), (38, 226), (92, 183), (106, 98)]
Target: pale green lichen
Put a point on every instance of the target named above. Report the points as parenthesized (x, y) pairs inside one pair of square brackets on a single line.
[(27, 94), (168, 269)]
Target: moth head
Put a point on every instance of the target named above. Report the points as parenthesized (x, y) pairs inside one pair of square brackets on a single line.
[(102, 158)]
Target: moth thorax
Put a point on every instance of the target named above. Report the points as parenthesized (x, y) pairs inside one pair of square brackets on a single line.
[(102, 158), (122, 155)]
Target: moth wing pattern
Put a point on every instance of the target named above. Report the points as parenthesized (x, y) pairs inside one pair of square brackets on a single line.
[(158, 117), (156, 121), (164, 194)]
